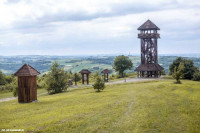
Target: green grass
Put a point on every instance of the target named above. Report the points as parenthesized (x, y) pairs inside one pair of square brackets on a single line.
[(10, 94), (154, 106), (6, 94)]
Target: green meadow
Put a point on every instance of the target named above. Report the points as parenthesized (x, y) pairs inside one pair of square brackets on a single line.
[(152, 106)]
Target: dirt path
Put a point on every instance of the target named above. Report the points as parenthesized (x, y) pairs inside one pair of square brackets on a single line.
[(127, 80), (7, 99)]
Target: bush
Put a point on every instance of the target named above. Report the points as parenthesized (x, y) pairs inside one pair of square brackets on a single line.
[(41, 81), (163, 72), (15, 91), (57, 80), (196, 76), (2, 78), (10, 78), (77, 77), (189, 68), (99, 84), (178, 73), (10, 85)]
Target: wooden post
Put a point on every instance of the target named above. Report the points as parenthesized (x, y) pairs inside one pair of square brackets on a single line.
[(87, 79), (82, 78), (75, 78), (85, 73)]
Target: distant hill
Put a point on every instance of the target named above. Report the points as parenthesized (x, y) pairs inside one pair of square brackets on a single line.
[(10, 64)]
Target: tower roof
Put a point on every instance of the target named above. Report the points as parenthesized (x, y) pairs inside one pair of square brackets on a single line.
[(27, 70), (105, 71), (148, 25), (149, 67), (85, 71)]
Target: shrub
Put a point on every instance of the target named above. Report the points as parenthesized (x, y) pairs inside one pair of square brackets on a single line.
[(163, 72), (178, 73), (99, 84), (196, 76), (41, 81), (77, 77), (57, 80), (9, 86), (189, 68), (15, 90), (2, 78), (10, 78)]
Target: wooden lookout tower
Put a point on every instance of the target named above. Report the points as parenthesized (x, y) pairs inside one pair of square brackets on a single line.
[(149, 66), (85, 75), (105, 74), (27, 85)]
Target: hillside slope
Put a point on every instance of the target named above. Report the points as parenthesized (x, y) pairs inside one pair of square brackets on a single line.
[(151, 106)]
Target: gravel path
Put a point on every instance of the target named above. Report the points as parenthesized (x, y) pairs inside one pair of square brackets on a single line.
[(7, 99), (126, 80)]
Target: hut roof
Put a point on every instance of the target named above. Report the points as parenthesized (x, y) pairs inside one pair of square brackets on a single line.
[(149, 67), (27, 70), (85, 71), (105, 71), (148, 25)]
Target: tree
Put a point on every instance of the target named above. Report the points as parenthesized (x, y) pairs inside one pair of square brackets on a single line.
[(2, 78), (95, 75), (70, 75), (178, 73), (99, 84), (196, 76), (163, 72), (9, 79), (41, 81), (77, 77), (57, 80), (122, 63), (189, 68)]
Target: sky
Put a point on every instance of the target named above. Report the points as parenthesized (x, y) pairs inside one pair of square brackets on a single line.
[(92, 27)]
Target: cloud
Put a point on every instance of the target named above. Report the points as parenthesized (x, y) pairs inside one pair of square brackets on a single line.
[(56, 26)]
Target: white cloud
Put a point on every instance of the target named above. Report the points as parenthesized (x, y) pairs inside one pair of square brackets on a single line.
[(37, 25)]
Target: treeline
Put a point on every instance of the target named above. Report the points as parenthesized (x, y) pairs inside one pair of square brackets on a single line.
[(40, 65), (107, 60), (57, 80), (43, 64)]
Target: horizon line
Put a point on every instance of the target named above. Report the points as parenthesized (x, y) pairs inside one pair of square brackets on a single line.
[(85, 55)]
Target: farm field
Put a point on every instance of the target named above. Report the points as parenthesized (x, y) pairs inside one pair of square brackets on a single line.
[(11, 64), (150, 106)]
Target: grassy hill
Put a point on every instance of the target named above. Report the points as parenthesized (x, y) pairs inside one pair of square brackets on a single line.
[(153, 106)]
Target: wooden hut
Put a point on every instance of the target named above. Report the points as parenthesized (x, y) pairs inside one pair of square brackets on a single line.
[(105, 74), (85, 75), (27, 85)]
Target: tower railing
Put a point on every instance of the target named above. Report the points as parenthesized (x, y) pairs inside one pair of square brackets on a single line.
[(148, 35)]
